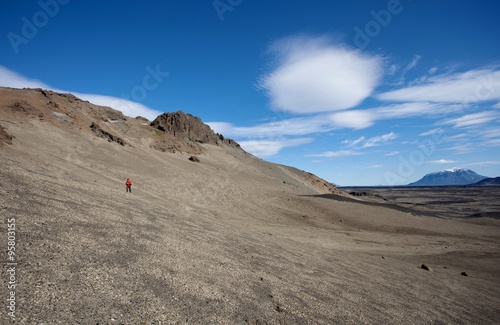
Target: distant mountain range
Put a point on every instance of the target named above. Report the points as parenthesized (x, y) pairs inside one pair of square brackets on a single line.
[(454, 176), (488, 182)]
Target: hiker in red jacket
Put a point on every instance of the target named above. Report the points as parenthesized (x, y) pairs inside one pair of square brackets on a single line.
[(129, 185)]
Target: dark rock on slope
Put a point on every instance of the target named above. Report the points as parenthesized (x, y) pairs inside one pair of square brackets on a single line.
[(191, 128), (104, 134), (4, 136)]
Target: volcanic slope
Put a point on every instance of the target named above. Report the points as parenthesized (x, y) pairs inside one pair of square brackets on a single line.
[(231, 239)]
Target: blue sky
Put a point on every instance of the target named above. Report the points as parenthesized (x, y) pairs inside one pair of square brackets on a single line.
[(357, 92)]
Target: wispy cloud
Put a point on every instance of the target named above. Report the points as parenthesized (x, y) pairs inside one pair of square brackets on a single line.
[(376, 141), (363, 142), (337, 154), (361, 119), (9, 78), (266, 148), (485, 163), (463, 148), (316, 75), (413, 63), (473, 119), (275, 129), (432, 132), (393, 153), (352, 143), (439, 162), (466, 87)]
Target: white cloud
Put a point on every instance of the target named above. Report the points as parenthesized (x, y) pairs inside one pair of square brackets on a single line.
[(433, 70), (393, 153), (489, 132), (463, 148), (127, 107), (467, 87), (314, 75), (497, 105), (354, 119), (9, 78), (391, 70), (457, 137), (361, 119), (439, 162), (276, 129), (337, 154), (376, 141), (413, 63), (352, 143), (266, 148), (414, 109), (362, 142), (474, 119), (432, 132), (485, 163), (223, 128)]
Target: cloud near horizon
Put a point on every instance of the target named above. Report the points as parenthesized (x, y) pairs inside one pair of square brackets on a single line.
[(464, 87), (439, 162), (314, 75), (337, 154), (266, 148), (9, 78)]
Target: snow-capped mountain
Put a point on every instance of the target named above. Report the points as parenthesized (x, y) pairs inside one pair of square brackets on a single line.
[(454, 176)]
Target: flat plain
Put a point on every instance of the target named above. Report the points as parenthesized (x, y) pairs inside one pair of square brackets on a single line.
[(441, 201)]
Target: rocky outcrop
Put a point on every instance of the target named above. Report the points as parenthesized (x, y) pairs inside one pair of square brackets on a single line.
[(104, 134), (190, 128), (321, 184), (4, 136)]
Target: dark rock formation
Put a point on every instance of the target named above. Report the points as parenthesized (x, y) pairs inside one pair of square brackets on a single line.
[(194, 159), (4, 136), (24, 107), (104, 134), (190, 128)]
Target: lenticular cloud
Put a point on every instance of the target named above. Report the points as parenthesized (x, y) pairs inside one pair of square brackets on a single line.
[(312, 75)]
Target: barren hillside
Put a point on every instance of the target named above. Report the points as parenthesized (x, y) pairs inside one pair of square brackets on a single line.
[(231, 239)]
